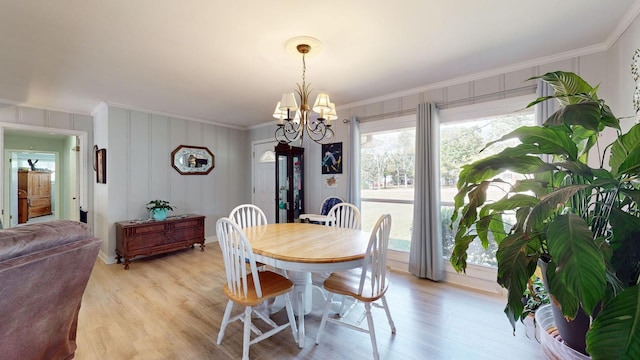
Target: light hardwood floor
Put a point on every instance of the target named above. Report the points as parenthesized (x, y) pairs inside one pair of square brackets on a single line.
[(171, 306)]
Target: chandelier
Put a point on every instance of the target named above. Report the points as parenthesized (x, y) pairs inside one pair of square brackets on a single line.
[(294, 121)]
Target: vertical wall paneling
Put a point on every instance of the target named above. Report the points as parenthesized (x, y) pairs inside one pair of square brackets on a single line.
[(160, 148), (9, 113), (139, 169), (31, 116), (209, 204), (488, 87), (118, 165), (59, 120), (223, 169), (177, 187)]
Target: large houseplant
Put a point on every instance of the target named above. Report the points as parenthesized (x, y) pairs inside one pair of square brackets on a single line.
[(578, 215)]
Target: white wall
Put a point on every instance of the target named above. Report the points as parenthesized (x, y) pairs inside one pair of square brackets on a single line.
[(139, 170)]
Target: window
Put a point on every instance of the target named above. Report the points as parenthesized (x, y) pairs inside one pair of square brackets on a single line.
[(387, 163), (460, 142)]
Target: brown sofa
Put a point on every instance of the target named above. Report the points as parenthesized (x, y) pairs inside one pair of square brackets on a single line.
[(44, 270)]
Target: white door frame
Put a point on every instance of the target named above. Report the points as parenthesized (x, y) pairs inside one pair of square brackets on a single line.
[(81, 171), (254, 158)]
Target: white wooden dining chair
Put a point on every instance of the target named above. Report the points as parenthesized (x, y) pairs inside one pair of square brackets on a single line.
[(344, 215), (247, 215), (249, 288), (367, 285), (321, 217)]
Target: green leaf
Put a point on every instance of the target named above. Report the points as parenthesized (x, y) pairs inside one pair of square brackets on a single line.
[(514, 270), (551, 204), (566, 83), (576, 167), (513, 202), (607, 117), (569, 303), (631, 164), (625, 145), (632, 193), (459, 255), (586, 114), (547, 140), (625, 244), (491, 166), (580, 262), (615, 332)]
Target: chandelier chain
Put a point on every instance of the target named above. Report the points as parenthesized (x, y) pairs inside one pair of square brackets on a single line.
[(304, 71)]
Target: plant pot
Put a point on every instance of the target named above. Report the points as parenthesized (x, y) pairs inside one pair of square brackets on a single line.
[(159, 214), (546, 331), (573, 332)]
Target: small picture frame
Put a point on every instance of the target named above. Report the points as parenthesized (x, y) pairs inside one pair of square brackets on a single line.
[(101, 166)]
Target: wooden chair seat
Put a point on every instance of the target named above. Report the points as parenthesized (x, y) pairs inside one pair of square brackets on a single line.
[(273, 284), (348, 283)]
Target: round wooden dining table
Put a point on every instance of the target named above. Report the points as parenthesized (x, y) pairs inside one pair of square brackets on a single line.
[(300, 249)]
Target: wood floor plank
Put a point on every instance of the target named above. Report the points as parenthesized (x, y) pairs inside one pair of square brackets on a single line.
[(171, 306)]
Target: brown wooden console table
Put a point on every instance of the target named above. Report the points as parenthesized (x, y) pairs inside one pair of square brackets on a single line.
[(150, 237)]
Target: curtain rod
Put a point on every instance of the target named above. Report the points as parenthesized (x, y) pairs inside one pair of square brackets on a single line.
[(446, 104)]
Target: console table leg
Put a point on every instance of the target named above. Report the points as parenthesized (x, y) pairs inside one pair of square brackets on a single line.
[(202, 247)]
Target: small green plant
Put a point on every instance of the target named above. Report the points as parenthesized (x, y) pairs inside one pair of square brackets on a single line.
[(534, 296), (159, 204)]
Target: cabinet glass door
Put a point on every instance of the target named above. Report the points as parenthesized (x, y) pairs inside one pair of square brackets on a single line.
[(283, 188), (297, 186)]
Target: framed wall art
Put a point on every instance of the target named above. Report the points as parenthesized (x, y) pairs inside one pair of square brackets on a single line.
[(332, 158), (192, 160), (100, 165)]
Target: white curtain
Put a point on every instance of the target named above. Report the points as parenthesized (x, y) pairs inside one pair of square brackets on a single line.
[(545, 108), (426, 258), (353, 175)]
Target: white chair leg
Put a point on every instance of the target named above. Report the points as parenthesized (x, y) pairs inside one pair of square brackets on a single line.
[(247, 333), (225, 320), (372, 332), (325, 314), (386, 309), (292, 318)]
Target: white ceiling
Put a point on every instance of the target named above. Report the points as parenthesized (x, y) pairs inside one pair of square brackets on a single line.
[(225, 61)]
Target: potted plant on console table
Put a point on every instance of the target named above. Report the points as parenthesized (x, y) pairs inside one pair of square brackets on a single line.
[(582, 220), (159, 209)]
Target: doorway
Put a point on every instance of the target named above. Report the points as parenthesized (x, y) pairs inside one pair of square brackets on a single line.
[(57, 155), (35, 171), (264, 178)]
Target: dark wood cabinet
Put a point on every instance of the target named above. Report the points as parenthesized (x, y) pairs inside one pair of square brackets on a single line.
[(289, 182), (149, 237), (37, 186)]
